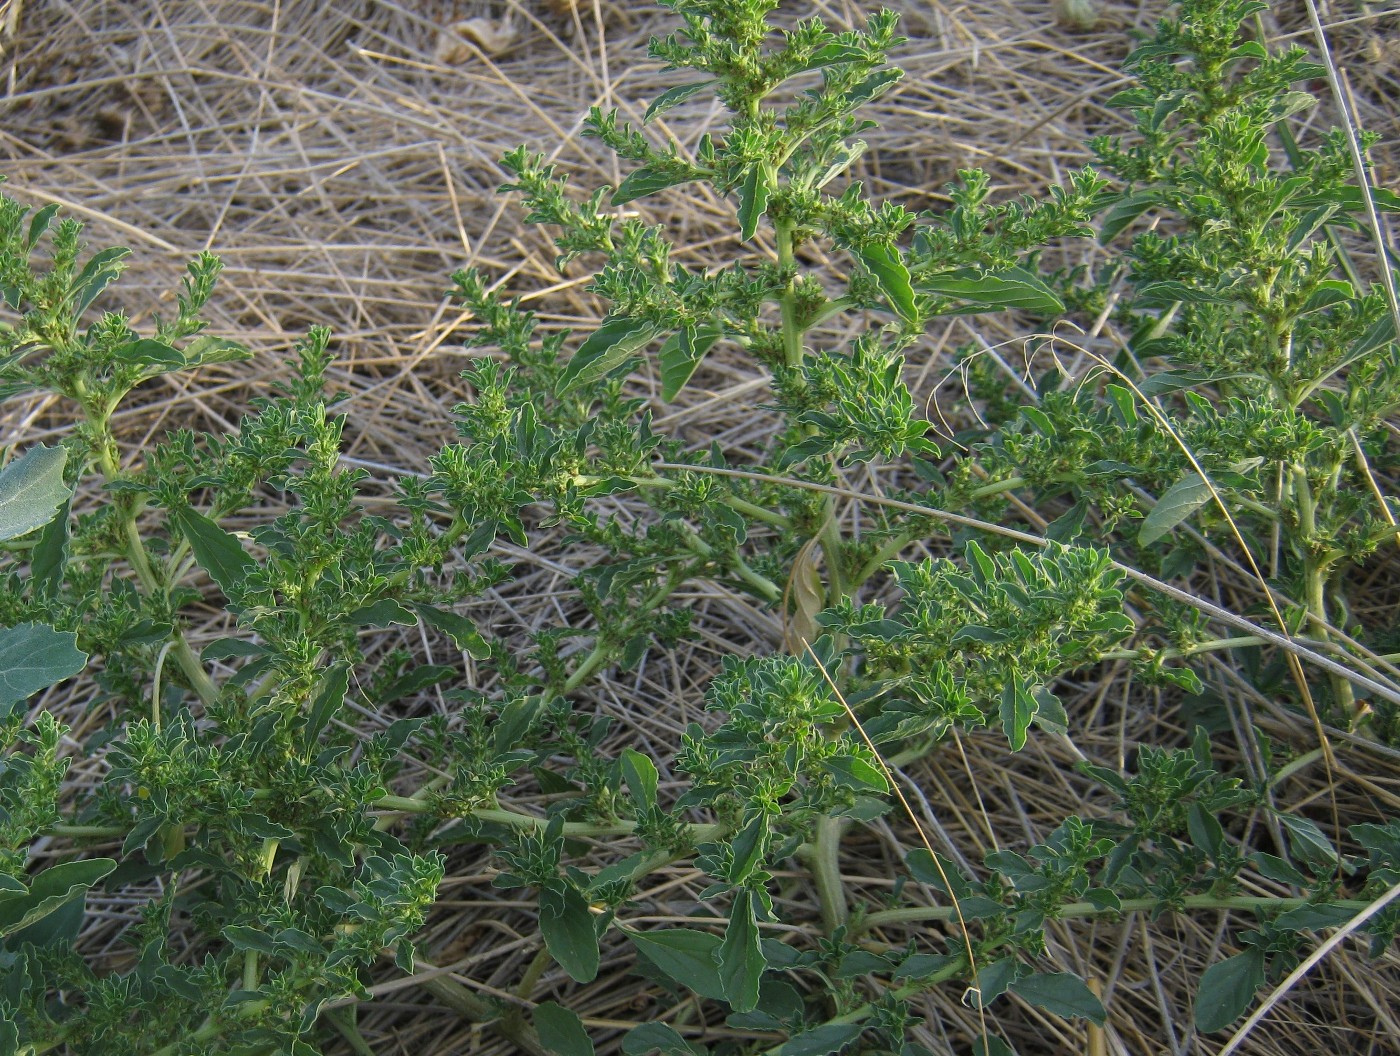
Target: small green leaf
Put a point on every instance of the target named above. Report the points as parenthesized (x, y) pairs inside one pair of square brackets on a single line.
[(1124, 212), (1177, 503), (885, 264), (218, 552), (1062, 993), (854, 771), (561, 1031), (566, 922), (1308, 841), (640, 774), (34, 656), (648, 180), (1018, 708), (607, 348), (740, 955), (39, 224), (689, 957), (674, 97), (334, 686), (681, 355), (204, 350), (31, 491), (461, 630), (50, 891), (1227, 989), (874, 86), (754, 193), (994, 291), (96, 276)]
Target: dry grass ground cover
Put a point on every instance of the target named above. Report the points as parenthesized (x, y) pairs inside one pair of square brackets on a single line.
[(342, 159)]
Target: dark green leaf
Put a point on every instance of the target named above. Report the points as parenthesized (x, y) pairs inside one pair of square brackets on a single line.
[(1062, 993), (1205, 831), (748, 847), (39, 224), (217, 551), (874, 86), (740, 955), (561, 1031), (993, 981), (640, 774), (991, 1045), (461, 630), (753, 198), (1124, 212), (654, 1037), (885, 264), (607, 348), (1018, 708), (648, 180), (148, 353), (32, 491), (688, 957), (1178, 503), (34, 656), (204, 350), (334, 686), (566, 921), (386, 612), (831, 55), (1227, 989), (821, 1041), (1308, 841), (990, 291), (95, 277), (681, 355), (49, 557), (1315, 917), (51, 890), (853, 771), (674, 97)]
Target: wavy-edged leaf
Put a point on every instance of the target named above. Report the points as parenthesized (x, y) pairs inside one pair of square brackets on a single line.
[(49, 557), (34, 656), (607, 348), (1177, 503), (657, 1037), (885, 264), (821, 1041), (1124, 212), (566, 922), (682, 355), (1227, 989), (688, 957), (560, 1031), (648, 180), (32, 490), (218, 552), (147, 352), (754, 193), (641, 776), (97, 274), (1014, 288), (460, 629), (50, 891), (740, 955), (673, 97), (205, 349)]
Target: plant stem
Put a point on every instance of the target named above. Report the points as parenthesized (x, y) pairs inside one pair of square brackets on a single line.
[(826, 872), (1245, 903)]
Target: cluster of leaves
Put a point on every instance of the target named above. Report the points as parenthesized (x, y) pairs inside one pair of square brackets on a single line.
[(249, 807)]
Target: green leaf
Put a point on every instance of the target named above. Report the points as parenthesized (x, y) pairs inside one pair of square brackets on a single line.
[(991, 1045), (854, 771), (204, 350), (740, 955), (1124, 212), (39, 224), (994, 980), (49, 557), (640, 774), (648, 180), (1308, 841), (994, 291), (148, 353), (386, 612), (1178, 503), (31, 491), (885, 264), (217, 551), (461, 630), (95, 277), (561, 1031), (754, 193), (682, 354), (821, 1041), (1227, 988), (334, 686), (653, 1037), (688, 957), (51, 890), (1062, 993), (566, 922), (874, 86), (674, 97), (607, 348), (1018, 708), (34, 656)]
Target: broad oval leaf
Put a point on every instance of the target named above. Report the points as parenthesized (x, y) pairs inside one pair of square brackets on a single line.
[(561, 1031), (34, 656), (1227, 988), (821, 1041), (31, 491), (656, 1037), (688, 957), (682, 355), (640, 774), (1062, 993), (1178, 503)]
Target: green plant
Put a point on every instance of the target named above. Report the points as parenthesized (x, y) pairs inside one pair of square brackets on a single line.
[(1248, 377)]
